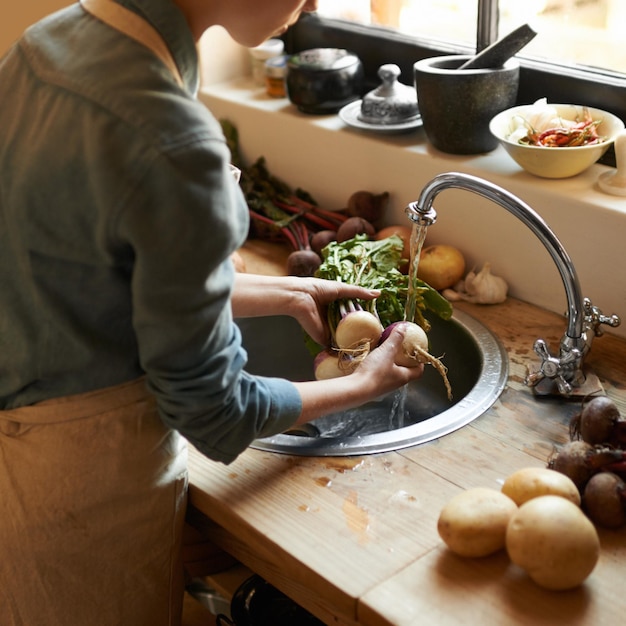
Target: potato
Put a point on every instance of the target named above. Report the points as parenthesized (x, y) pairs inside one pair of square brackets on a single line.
[(473, 523), (553, 541), (531, 482)]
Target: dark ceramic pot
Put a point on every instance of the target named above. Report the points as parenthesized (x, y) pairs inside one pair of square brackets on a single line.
[(457, 105), (257, 603), (323, 80)]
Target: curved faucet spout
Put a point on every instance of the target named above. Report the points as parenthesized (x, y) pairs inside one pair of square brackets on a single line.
[(567, 369), (528, 216)]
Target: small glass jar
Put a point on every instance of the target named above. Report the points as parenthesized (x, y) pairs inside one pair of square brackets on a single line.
[(259, 55), (275, 75)]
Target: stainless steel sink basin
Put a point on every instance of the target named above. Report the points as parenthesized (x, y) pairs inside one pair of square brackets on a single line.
[(477, 368)]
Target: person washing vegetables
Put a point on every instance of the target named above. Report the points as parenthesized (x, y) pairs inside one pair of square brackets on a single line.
[(118, 217)]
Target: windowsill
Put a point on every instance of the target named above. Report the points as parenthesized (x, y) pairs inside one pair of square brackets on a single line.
[(331, 160)]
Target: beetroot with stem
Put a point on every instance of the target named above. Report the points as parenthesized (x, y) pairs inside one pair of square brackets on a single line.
[(302, 261), (278, 213), (580, 460)]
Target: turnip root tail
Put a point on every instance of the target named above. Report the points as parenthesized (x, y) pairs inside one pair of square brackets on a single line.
[(423, 356)]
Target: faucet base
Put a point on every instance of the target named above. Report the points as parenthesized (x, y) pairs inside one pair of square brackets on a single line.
[(592, 386)]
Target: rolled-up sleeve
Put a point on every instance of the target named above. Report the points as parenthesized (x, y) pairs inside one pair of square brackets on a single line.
[(188, 217)]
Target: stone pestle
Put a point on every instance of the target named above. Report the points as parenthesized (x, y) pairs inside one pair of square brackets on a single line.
[(498, 53)]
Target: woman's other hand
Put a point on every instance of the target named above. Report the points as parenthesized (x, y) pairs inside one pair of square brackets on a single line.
[(304, 299)]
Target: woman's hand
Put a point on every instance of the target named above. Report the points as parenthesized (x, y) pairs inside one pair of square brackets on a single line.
[(379, 366), (376, 375), (315, 295), (304, 299)]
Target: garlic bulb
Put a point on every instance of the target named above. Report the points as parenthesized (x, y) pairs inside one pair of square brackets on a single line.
[(480, 288)]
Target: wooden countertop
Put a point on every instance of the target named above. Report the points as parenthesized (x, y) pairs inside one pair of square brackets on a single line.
[(354, 539)]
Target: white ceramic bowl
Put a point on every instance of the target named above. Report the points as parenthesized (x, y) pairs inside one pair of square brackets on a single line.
[(552, 162)]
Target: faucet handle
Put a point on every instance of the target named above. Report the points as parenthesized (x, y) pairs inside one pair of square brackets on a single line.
[(553, 367), (594, 318)]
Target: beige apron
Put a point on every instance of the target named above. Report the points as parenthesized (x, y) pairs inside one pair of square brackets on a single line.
[(93, 492)]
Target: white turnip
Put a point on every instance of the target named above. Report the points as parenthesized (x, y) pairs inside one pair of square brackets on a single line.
[(358, 330), (414, 350), (414, 347), (332, 364)]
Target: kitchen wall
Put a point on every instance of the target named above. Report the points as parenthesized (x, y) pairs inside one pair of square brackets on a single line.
[(16, 16)]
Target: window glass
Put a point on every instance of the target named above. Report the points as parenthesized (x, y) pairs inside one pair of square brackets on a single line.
[(452, 21), (572, 32)]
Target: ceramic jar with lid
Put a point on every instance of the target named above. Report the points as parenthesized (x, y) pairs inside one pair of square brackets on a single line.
[(323, 80)]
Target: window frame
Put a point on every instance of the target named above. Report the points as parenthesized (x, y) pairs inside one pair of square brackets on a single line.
[(376, 45)]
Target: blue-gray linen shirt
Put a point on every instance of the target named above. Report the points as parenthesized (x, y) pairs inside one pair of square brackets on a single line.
[(118, 215)]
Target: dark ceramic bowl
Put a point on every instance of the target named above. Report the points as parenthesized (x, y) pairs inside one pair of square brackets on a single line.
[(457, 105), (323, 80)]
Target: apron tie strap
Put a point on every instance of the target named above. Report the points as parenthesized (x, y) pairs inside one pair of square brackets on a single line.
[(135, 27)]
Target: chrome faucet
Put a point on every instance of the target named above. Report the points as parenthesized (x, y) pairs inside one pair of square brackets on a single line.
[(583, 319)]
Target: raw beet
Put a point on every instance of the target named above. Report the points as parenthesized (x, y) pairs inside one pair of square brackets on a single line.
[(321, 239), (572, 459), (604, 500), (303, 263), (354, 226), (369, 206), (599, 422)]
